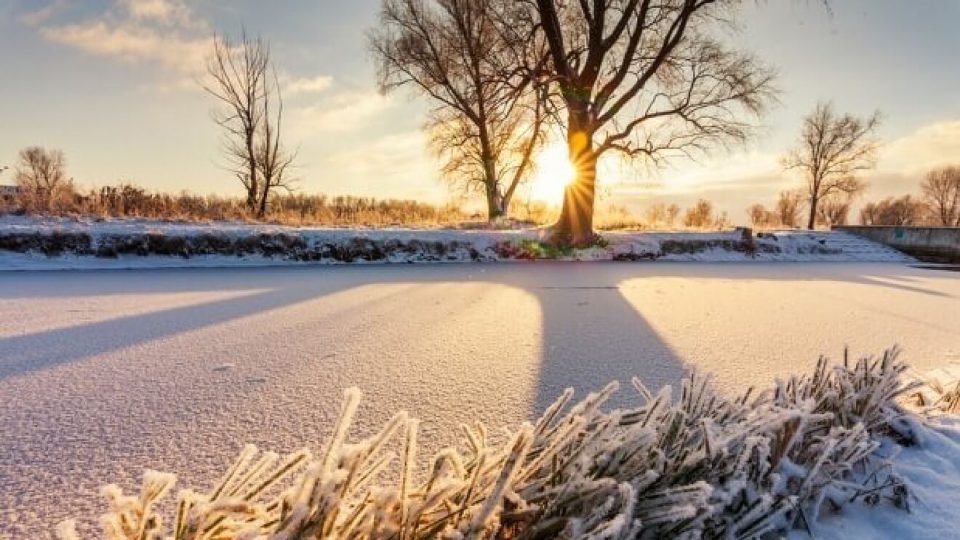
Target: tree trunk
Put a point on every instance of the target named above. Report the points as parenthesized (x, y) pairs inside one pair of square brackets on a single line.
[(262, 210), (490, 181), (812, 221), (575, 225), (495, 207)]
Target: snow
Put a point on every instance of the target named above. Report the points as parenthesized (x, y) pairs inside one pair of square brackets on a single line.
[(104, 373), (461, 245), (932, 470)]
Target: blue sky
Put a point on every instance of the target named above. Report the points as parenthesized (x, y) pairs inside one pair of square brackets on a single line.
[(112, 83)]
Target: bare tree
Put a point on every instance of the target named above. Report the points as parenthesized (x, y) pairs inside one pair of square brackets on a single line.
[(834, 210), (760, 216), (788, 208), (272, 159), (833, 150), (941, 191), (643, 79), (903, 211), (699, 215), (488, 116), (241, 78), (39, 174)]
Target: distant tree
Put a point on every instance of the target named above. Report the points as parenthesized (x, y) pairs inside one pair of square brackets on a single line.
[(656, 214), (673, 212), (242, 79), (833, 150), (941, 192), (642, 79), (788, 208), (760, 216), (488, 119), (834, 210), (903, 211), (699, 215), (39, 175)]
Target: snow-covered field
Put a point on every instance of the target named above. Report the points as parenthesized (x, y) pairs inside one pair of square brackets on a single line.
[(103, 373), (58, 243)]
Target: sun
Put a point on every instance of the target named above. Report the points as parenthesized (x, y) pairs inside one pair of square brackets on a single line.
[(554, 173)]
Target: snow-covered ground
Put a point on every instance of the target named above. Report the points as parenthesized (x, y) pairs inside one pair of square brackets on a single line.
[(104, 373), (59, 243)]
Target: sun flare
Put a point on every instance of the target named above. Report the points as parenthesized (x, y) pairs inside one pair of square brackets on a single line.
[(554, 172)]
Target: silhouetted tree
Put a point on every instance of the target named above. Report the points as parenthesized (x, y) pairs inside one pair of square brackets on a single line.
[(941, 192), (489, 116), (242, 79), (833, 149), (39, 174), (642, 79)]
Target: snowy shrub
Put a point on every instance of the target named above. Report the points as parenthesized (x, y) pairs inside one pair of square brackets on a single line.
[(698, 466)]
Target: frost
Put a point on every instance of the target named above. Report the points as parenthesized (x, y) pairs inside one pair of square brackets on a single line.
[(701, 466)]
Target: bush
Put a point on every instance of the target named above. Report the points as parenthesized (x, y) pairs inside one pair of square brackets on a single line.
[(701, 466)]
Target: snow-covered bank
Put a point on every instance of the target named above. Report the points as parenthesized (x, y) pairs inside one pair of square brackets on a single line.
[(57, 243)]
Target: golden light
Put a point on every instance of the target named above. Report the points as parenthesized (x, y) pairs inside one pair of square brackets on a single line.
[(554, 172)]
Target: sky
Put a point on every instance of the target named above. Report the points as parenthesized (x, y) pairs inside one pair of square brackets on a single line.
[(114, 84)]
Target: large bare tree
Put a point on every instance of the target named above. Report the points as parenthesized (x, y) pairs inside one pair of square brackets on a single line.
[(242, 79), (833, 150), (941, 191), (488, 117), (644, 79)]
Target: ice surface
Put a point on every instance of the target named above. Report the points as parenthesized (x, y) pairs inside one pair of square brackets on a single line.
[(103, 373)]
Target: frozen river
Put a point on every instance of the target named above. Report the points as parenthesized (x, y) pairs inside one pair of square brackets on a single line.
[(103, 373)]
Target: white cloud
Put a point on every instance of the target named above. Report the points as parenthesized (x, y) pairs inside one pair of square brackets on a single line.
[(159, 32), (166, 11), (930, 146), (341, 112), (307, 85)]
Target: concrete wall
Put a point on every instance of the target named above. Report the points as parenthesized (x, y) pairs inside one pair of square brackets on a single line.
[(936, 244)]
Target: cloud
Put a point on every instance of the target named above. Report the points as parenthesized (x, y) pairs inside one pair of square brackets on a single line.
[(932, 145), (157, 32), (41, 15), (396, 165), (340, 112), (165, 11), (307, 85)]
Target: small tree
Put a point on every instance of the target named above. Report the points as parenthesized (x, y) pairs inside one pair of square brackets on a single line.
[(788, 208), (941, 192), (833, 150), (242, 79), (834, 210), (760, 216), (40, 174), (699, 215), (899, 212)]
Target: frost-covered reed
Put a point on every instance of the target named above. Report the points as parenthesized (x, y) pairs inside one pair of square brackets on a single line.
[(695, 465)]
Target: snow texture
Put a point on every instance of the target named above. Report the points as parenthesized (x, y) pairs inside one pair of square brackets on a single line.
[(103, 373), (61, 243)]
